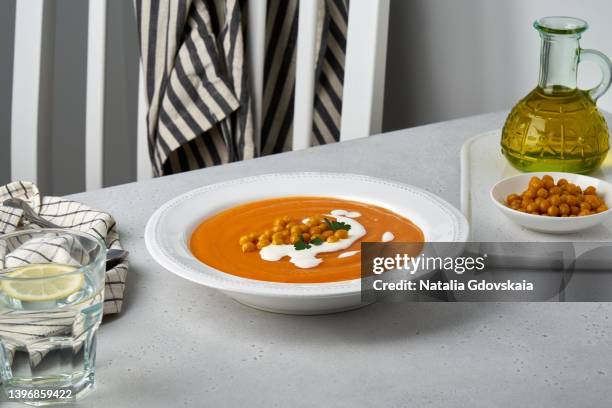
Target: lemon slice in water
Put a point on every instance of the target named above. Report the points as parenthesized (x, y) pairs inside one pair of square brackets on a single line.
[(39, 290)]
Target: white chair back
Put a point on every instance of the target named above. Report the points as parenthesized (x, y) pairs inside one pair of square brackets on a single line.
[(363, 81)]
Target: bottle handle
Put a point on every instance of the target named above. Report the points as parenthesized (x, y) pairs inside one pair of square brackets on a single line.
[(605, 65)]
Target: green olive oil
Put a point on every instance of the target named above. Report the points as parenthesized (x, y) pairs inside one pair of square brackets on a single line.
[(557, 126), (557, 131)]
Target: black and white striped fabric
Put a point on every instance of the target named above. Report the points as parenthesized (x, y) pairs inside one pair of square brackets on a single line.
[(197, 87), (72, 215), (196, 83), (279, 74)]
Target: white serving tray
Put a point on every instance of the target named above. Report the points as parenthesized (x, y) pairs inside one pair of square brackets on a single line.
[(482, 165)]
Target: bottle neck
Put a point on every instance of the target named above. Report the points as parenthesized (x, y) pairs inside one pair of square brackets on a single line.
[(559, 62)]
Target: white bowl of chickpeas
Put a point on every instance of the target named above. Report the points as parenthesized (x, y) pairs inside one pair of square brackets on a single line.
[(552, 202)]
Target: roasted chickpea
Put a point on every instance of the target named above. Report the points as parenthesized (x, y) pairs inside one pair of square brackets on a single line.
[(548, 182), (278, 228), (323, 226), (287, 219), (571, 188), (248, 247), (532, 207), (315, 236), (562, 182), (585, 206), (593, 200), (315, 230), (306, 237), (327, 233), (575, 210), (565, 210), (590, 190), (553, 211), (555, 200), (290, 225), (584, 212), (571, 200), (294, 238), (535, 183), (544, 204), (296, 229), (601, 208), (532, 193), (279, 221), (542, 192), (244, 239), (512, 197), (262, 243), (515, 205), (312, 222), (277, 238), (555, 190), (341, 234), (332, 238)]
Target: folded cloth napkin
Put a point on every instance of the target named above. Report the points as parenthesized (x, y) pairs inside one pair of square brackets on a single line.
[(71, 215)]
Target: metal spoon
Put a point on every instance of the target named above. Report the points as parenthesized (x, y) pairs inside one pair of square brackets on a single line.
[(113, 256)]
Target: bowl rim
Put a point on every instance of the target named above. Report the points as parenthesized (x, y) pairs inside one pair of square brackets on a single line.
[(551, 173)]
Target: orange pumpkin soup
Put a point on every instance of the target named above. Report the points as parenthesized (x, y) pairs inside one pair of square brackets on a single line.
[(297, 239)]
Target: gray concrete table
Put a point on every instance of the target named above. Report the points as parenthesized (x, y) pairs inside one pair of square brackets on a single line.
[(180, 344)]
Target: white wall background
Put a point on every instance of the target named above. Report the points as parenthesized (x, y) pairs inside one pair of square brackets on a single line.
[(454, 58)]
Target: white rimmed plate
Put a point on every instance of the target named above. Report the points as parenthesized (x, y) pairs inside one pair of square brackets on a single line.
[(169, 229)]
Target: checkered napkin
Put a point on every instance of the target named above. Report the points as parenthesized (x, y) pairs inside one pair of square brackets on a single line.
[(71, 215)]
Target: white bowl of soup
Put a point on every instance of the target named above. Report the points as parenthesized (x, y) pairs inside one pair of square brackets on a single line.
[(265, 240)]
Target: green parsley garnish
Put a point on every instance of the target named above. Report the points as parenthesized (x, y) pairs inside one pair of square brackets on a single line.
[(335, 225), (317, 241), (301, 245)]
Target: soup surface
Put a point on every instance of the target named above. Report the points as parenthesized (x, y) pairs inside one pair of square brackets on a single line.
[(218, 240)]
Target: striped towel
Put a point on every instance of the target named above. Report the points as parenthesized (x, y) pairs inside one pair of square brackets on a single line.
[(197, 87), (279, 74), (73, 215)]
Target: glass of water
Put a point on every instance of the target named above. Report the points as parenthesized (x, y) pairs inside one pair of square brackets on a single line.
[(51, 301)]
